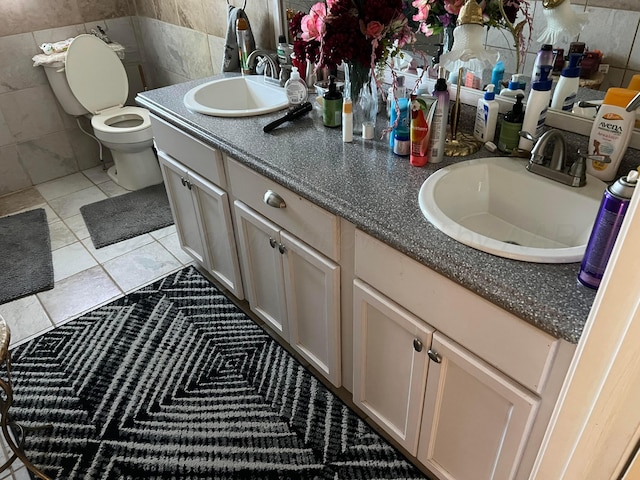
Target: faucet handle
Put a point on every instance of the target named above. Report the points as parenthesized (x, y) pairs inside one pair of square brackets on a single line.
[(528, 136)]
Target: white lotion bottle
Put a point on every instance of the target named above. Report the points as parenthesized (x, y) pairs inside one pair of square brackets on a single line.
[(610, 134), (564, 95), (535, 114), (296, 88), (347, 120), (513, 89), (486, 116)]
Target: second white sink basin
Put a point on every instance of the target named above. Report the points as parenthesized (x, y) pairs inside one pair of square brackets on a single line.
[(497, 206), (236, 97)]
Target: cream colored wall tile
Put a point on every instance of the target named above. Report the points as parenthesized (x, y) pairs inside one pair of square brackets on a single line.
[(52, 35), (633, 5), (191, 14), (613, 79), (597, 34), (167, 11), (261, 19), (85, 149), (47, 157), (146, 8), (215, 15), (17, 70), (31, 112), (12, 174), (93, 10), (121, 30), (21, 16), (634, 57), (216, 47), (628, 75), (135, 82)]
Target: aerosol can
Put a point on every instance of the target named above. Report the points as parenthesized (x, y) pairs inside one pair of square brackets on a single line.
[(615, 203)]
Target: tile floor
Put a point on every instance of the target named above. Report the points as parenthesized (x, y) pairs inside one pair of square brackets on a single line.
[(85, 278)]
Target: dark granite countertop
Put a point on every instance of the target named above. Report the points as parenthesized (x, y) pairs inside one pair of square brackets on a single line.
[(377, 191)]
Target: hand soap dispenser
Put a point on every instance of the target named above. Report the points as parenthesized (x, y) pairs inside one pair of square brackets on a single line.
[(511, 126)]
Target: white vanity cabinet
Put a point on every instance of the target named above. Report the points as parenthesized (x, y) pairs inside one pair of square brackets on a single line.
[(193, 175), (292, 286), (460, 383)]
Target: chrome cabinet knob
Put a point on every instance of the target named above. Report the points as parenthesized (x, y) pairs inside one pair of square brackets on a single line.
[(435, 356), (272, 199), (417, 345)]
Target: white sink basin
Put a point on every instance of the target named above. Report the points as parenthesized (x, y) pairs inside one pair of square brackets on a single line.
[(236, 97), (497, 206)]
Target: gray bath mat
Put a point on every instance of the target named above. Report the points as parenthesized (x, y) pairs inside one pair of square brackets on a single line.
[(126, 216), (25, 255)]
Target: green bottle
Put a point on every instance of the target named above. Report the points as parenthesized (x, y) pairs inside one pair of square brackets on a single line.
[(511, 126), (332, 106)]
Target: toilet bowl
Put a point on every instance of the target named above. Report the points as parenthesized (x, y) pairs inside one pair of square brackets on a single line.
[(98, 81)]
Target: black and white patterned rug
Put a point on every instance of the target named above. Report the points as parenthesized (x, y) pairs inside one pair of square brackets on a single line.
[(174, 381)]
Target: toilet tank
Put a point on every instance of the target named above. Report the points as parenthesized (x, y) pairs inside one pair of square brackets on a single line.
[(58, 81)]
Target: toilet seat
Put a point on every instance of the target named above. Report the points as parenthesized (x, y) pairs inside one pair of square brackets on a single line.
[(122, 120)]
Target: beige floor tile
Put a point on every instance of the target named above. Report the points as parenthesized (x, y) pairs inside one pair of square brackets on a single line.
[(172, 243), (77, 226), (112, 189), (71, 259), (25, 317), (78, 294), (163, 232), (141, 266), (64, 186), (69, 205), (19, 201), (61, 235), (109, 252), (98, 174)]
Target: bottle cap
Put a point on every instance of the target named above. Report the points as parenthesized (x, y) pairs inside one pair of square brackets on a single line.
[(547, 47), (624, 187), (514, 83), (282, 39), (347, 106), (367, 130), (620, 97), (573, 70), (489, 95), (545, 83)]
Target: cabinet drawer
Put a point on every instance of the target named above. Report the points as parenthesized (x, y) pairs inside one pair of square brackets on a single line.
[(510, 344), (192, 153), (305, 220)]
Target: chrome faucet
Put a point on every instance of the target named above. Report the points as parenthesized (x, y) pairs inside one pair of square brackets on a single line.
[(265, 60), (556, 167)]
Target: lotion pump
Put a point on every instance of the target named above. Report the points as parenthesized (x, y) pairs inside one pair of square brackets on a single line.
[(564, 95)]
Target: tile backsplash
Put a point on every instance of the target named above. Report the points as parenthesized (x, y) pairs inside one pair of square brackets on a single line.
[(172, 41)]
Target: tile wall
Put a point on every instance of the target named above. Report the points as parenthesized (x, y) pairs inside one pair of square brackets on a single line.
[(175, 41)]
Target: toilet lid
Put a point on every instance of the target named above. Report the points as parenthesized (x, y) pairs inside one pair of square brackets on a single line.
[(95, 74)]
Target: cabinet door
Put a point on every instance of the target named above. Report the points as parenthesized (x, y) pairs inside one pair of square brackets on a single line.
[(390, 364), (476, 421), (259, 239), (182, 208), (312, 291), (214, 217)]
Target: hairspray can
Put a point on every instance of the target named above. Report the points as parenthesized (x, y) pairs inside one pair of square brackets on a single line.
[(615, 202)]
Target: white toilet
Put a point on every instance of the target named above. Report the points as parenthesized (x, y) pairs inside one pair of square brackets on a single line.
[(98, 85)]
